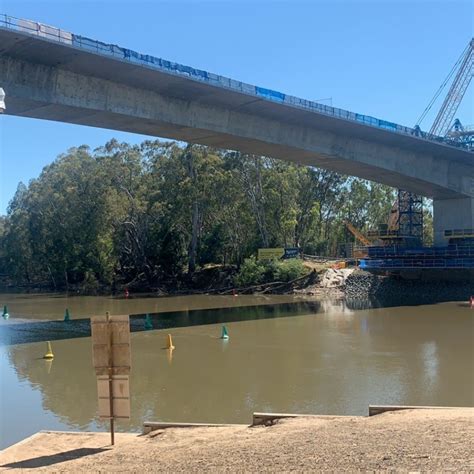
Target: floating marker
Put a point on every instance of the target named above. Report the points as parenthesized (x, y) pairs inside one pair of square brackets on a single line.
[(148, 322), (49, 352), (5, 314), (169, 343), (49, 364), (224, 334), (67, 318)]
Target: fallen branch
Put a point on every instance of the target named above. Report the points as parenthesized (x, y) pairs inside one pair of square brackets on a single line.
[(263, 288), (292, 282)]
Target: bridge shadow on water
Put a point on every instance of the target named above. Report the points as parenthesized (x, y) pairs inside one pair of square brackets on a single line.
[(13, 332), (24, 331)]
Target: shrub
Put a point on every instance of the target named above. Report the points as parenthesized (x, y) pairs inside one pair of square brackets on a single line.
[(90, 284), (254, 272), (290, 269), (250, 273)]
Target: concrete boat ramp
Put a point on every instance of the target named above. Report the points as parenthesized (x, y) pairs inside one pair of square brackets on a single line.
[(401, 438)]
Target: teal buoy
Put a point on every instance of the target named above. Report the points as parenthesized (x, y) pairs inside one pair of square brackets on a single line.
[(5, 314), (224, 334), (67, 318), (148, 322)]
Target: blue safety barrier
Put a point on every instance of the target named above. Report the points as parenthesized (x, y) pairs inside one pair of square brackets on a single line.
[(269, 94), (55, 34)]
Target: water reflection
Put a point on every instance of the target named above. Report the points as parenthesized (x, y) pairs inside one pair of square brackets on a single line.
[(429, 355), (27, 332), (53, 306), (334, 360)]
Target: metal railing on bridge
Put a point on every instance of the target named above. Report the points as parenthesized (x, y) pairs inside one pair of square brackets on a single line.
[(52, 33), (459, 234)]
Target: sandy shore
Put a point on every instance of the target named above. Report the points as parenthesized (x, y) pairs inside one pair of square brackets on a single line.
[(411, 440)]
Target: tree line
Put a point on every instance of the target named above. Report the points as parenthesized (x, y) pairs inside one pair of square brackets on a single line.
[(160, 210)]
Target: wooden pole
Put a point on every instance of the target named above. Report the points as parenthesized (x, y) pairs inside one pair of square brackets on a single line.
[(111, 395)]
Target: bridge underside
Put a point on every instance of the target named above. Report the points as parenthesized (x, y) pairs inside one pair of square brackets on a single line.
[(52, 81)]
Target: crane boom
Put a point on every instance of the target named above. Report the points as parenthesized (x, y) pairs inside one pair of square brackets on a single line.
[(445, 116), (357, 234)]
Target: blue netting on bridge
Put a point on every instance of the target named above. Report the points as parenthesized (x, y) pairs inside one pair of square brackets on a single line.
[(57, 35)]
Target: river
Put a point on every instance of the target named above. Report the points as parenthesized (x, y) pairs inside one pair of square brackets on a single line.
[(285, 354)]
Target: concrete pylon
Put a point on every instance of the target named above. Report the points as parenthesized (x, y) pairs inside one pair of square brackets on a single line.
[(452, 214)]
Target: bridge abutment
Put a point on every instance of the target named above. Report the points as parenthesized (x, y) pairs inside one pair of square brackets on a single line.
[(452, 214)]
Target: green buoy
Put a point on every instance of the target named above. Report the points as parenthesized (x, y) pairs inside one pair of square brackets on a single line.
[(5, 314), (224, 334), (148, 322), (67, 318)]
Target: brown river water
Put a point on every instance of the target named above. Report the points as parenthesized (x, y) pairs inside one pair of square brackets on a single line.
[(285, 354)]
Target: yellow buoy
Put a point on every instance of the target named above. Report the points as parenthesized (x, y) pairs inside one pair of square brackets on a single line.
[(169, 355), (49, 352), (169, 344)]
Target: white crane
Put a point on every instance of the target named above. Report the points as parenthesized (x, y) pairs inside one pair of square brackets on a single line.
[(463, 71), (408, 210)]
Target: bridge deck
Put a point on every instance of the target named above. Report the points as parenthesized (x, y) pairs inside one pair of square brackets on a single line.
[(24, 39)]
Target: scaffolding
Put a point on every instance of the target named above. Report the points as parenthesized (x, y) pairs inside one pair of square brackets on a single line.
[(405, 227), (410, 216)]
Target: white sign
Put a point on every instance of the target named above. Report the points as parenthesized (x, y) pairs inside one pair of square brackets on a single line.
[(111, 356), (120, 396)]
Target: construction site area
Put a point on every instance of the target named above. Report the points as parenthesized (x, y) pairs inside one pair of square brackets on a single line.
[(396, 247)]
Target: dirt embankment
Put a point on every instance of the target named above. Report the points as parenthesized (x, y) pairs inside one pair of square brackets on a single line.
[(411, 440), (328, 282)]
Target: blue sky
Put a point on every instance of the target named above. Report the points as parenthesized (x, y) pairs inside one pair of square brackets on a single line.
[(382, 58)]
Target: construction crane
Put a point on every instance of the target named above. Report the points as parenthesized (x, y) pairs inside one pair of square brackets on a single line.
[(357, 234), (405, 222), (463, 134), (392, 224), (408, 209), (465, 66)]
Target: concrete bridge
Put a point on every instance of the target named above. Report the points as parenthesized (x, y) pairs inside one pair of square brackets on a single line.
[(51, 74)]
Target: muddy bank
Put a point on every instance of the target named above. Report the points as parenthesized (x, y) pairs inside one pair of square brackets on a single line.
[(411, 440), (352, 284), (215, 280), (211, 278)]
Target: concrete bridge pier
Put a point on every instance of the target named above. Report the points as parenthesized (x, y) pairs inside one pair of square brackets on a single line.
[(452, 214)]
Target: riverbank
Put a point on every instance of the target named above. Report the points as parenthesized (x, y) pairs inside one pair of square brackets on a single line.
[(211, 279), (410, 440), (322, 280)]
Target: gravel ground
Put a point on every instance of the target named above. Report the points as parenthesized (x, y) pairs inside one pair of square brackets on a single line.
[(404, 441)]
